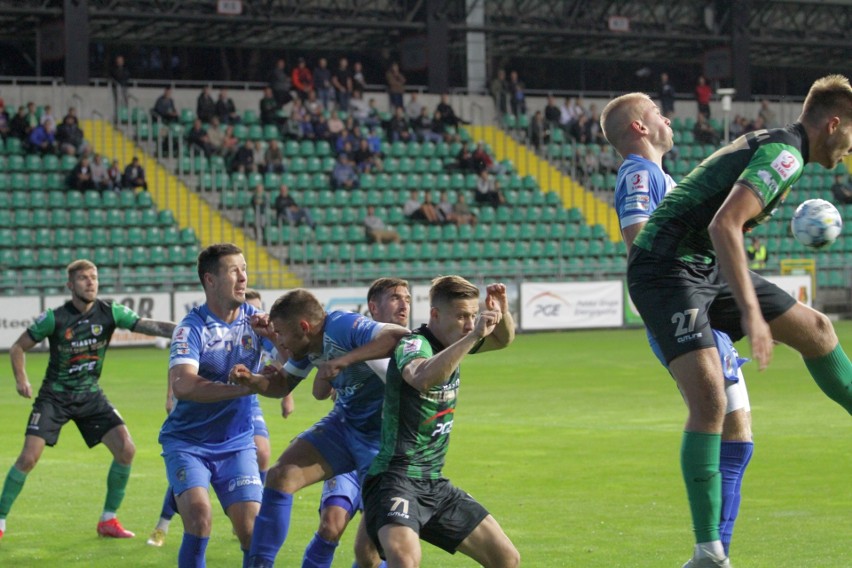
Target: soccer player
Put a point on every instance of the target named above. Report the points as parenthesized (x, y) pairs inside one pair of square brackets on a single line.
[(208, 436), (641, 134), (79, 333), (261, 433), (389, 301), (406, 497), (344, 440), (688, 270)]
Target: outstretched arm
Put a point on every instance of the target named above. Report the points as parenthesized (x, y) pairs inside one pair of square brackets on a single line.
[(187, 384), (155, 327), (380, 347), (19, 362), (270, 382)]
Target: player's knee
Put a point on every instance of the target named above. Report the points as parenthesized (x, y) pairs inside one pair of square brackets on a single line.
[(331, 526), (26, 462), (823, 331)]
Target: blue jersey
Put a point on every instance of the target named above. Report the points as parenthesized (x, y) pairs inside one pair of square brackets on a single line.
[(204, 341), (360, 392), (640, 187)]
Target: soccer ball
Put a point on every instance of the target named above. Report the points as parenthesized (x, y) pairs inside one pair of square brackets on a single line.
[(816, 223)]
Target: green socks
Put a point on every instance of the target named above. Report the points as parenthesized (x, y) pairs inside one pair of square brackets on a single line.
[(116, 484), (699, 462), (11, 489), (833, 374)]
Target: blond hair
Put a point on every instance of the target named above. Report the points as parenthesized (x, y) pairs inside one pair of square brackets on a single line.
[(828, 96), (446, 289), (78, 265), (618, 114)]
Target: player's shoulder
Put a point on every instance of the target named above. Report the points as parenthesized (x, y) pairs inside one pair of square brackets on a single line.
[(340, 321)]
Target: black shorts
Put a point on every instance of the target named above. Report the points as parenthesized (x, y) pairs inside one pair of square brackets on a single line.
[(680, 301), (439, 512), (91, 411)]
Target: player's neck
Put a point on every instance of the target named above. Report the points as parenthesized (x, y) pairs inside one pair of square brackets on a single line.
[(82, 305), (644, 149), (224, 310)]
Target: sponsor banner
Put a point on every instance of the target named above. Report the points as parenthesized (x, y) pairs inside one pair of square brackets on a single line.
[(571, 305), (800, 286), (146, 305), (631, 314), (17, 315)]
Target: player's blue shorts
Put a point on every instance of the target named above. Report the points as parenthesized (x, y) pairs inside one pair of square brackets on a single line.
[(234, 475), (257, 420), (343, 447), (731, 360), (342, 489)]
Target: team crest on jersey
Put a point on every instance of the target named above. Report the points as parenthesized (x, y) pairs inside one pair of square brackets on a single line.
[(638, 182), (247, 342), (181, 333), (785, 164), (411, 346), (97, 329), (69, 334)]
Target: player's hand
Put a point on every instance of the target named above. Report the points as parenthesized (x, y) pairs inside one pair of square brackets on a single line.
[(496, 298), (486, 322), (328, 370), (262, 326), (24, 389), (760, 338), (288, 405)]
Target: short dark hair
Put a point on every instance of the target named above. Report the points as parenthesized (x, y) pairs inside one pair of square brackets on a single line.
[(297, 304), (252, 294), (446, 289), (208, 259), (381, 285)]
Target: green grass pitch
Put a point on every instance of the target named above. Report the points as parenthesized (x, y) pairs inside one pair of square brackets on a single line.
[(570, 439)]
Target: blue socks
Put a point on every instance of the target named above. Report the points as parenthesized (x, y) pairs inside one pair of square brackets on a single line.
[(192, 551), (319, 553), (270, 527), (382, 565), (734, 458)]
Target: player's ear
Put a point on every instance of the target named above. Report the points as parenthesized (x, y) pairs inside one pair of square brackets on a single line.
[(305, 326), (833, 124)]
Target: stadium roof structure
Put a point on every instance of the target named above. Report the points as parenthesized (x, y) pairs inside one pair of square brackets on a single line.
[(786, 33)]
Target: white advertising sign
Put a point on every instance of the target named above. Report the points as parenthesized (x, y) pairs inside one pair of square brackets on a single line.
[(571, 305), (17, 315), (147, 305), (797, 285)]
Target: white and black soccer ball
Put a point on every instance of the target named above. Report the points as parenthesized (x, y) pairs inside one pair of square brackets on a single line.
[(816, 223)]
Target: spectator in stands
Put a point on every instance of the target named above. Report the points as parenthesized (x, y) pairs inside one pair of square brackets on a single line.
[(414, 109), (358, 79), (226, 110), (312, 103), (322, 82), (47, 114), (439, 129), (230, 143), (552, 114), (334, 125), (32, 115), (273, 158), (303, 79), (205, 106), (280, 83), (365, 159), (341, 80), (18, 125), (120, 81), (738, 127), (70, 138), (287, 210), (445, 208), (216, 135), (414, 210), (667, 96), (499, 93), (462, 213), (703, 94), (767, 114), (704, 132), (198, 138), (377, 231), (757, 254), (483, 161), (396, 85), (517, 97), (344, 175), (100, 174), (259, 203), (134, 175), (80, 176), (359, 109), (448, 115), (164, 107), (488, 191), (423, 127), (568, 114), (305, 126), (72, 115), (841, 190), (464, 159), (114, 174), (607, 159), (400, 129), (539, 131), (43, 138), (5, 127), (593, 127), (243, 161)]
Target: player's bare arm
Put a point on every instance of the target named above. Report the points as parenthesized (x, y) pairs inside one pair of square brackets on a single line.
[(19, 361), (726, 232), (380, 347), (424, 374), (497, 299), (629, 233), (322, 389), (187, 384), (262, 326), (270, 382), (155, 328)]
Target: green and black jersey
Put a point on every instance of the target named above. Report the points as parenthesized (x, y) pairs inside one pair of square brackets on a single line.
[(78, 342), (416, 426), (768, 162)]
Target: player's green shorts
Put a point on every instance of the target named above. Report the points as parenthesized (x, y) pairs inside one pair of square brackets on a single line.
[(439, 512), (91, 411), (680, 301)]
